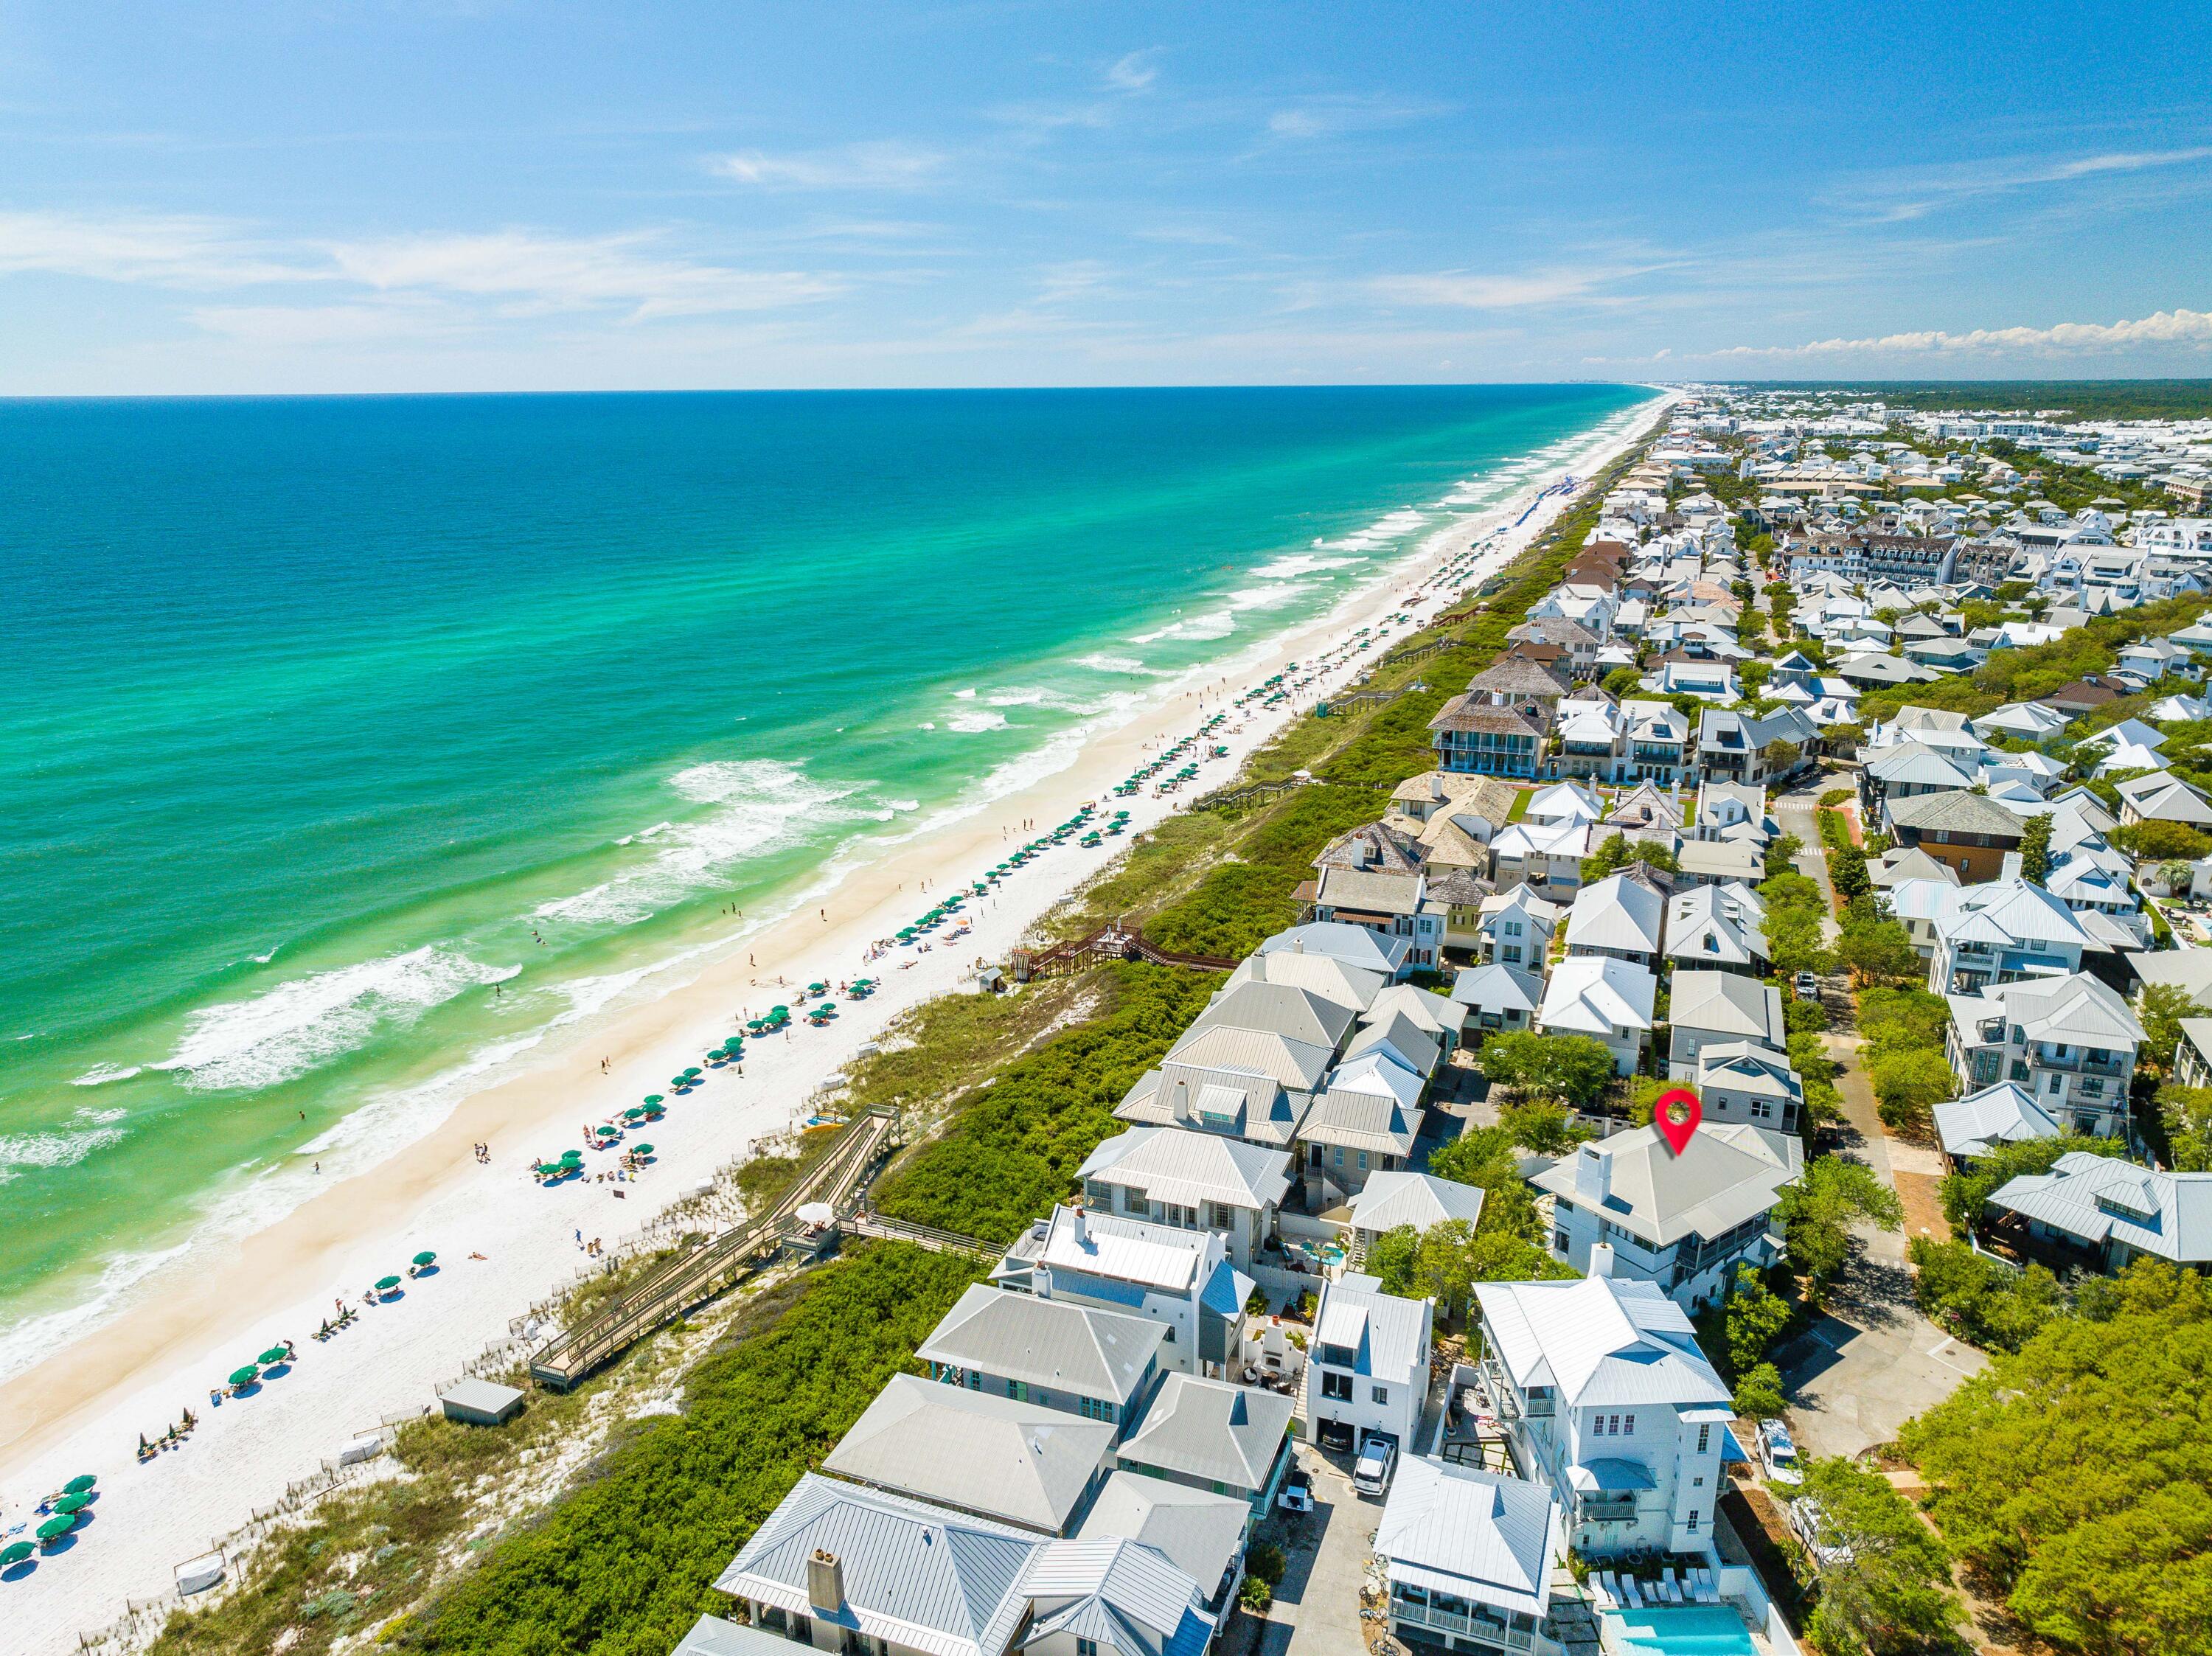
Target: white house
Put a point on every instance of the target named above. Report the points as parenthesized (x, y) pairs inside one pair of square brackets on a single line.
[(1717, 928), (1623, 917), (1180, 1279), (1190, 1180), (2071, 1041), (1683, 1222), (1516, 929), (2001, 931), (1368, 1371), (1469, 1558), (1497, 997), (2113, 1211), (1612, 1407), (1706, 1007), (1609, 1000), (1749, 1081)]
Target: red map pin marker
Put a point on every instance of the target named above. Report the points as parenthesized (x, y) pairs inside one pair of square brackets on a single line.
[(1676, 1116)]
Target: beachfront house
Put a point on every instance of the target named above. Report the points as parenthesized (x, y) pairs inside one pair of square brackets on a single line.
[(840, 1567), (1610, 1406), (1631, 1207), (1093, 1363), (1469, 1556), (1180, 1279), (1190, 1180)]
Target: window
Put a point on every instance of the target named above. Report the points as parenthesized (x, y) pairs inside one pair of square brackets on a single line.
[(1760, 1109), (1628, 1426), (1132, 1199), (1339, 1155), (1695, 1516), (1382, 1394), (1363, 1160), (1705, 1438), (1337, 1387), (1559, 1241), (1085, 1646)]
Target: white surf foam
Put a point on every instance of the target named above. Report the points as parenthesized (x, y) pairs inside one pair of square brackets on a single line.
[(292, 1029), (973, 724), (101, 1073), (50, 1150), (1100, 661)]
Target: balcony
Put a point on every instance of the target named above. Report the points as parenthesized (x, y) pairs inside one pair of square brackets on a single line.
[(1606, 1509)]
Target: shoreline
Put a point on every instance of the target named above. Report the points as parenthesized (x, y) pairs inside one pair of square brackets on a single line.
[(81, 1408)]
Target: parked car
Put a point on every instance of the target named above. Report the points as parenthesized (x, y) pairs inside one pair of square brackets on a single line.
[(1777, 1453), (1807, 987), (1808, 1519), (1378, 1459), (1297, 1493)]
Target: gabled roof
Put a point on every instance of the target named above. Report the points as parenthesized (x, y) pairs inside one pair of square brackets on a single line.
[(1055, 1344), (1728, 1003), (1200, 1533), (2076, 1011), (2006, 913), (1419, 1199), (1596, 994), (2164, 797), (1189, 1169), (1320, 975), (1435, 1013), (1909, 863), (1497, 988), (915, 1574), (2099, 1198), (1129, 1250), (1401, 1037), (1977, 1124), (1716, 924), (1278, 1009), (1354, 945), (1618, 912), (1456, 1530), (1727, 1172), (1213, 1431), (1293, 1063), (1746, 1066), (1118, 1594), (1914, 765), (1020, 1462), (1601, 1340), (1388, 1336), (1564, 802), (1369, 1105), (1369, 893)]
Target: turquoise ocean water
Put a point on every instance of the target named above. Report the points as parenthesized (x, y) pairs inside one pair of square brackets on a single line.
[(320, 718)]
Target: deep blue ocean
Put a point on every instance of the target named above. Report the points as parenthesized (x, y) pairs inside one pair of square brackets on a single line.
[(317, 714)]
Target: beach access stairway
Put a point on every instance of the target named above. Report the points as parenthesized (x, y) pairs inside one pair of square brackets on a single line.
[(692, 1275), (1109, 943), (875, 1228)]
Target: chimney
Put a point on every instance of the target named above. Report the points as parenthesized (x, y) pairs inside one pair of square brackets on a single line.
[(1600, 1259), (825, 1582), (1593, 1175), (1079, 1226), (2014, 863)]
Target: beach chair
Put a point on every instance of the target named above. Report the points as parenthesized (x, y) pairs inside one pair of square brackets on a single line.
[(1671, 1587), (1712, 1583), (1607, 1592), (1628, 1591)]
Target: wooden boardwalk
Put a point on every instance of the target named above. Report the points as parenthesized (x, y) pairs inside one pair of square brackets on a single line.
[(877, 1227), (693, 1275), (1108, 943)]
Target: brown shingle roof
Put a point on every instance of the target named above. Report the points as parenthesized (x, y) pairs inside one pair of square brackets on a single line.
[(1464, 713)]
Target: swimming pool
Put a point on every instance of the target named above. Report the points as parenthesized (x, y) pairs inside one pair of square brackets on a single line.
[(1679, 1630)]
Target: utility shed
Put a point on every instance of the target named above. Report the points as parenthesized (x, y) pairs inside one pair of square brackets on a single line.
[(479, 1403)]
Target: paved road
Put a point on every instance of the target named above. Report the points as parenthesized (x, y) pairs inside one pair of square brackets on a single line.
[(1873, 1361), (1317, 1609)]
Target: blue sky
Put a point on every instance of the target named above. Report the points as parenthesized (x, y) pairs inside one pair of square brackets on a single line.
[(415, 195)]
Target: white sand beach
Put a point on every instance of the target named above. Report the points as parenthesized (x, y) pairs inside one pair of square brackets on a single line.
[(82, 1408)]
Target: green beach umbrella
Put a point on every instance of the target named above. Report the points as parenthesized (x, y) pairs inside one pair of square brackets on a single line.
[(571, 1155), (72, 1503), (815, 988), (652, 1098), (779, 1011), (695, 1070), (16, 1552), (426, 1257), (643, 1149), (80, 1483), (54, 1528), (387, 1282), (274, 1353), (632, 1113), (244, 1376), (679, 1081)]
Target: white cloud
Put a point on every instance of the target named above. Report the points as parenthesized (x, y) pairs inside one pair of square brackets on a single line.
[(166, 251), (1493, 293), (1324, 117), (888, 164), (1916, 193), (2192, 329), (570, 273), (1133, 73)]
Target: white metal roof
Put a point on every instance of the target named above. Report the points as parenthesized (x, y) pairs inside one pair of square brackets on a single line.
[(1459, 1530)]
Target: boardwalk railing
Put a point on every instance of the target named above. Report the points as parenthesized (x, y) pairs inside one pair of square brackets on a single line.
[(693, 1275), (876, 1227), (1108, 943)]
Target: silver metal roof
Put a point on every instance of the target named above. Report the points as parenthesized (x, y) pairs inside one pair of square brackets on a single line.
[(1173, 1164), (1419, 1199), (1200, 1532), (1599, 1341), (1212, 1430), (1471, 1532), (1728, 1172), (1056, 1344)]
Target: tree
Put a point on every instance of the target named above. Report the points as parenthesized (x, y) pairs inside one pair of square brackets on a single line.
[(1483, 1156), (2161, 1011), (1759, 1394), (2157, 842), (1619, 850), (1819, 1210), (1909, 1086), (1779, 755), (2071, 1475), (2035, 849), (1544, 1129), (1445, 1261), (1889, 1589), (1755, 1317), (1574, 1068), (2186, 1115), (1981, 1300), (1782, 856), (1847, 873), (1877, 950), (1623, 683)]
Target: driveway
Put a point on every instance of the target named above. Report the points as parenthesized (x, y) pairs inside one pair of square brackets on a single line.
[(1325, 1554), (1869, 1363)]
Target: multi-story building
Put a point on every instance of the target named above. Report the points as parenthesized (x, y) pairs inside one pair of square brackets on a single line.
[(1191, 1181), (2071, 1041), (1607, 1403), (1367, 1373), (1180, 1279), (1681, 1220)]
